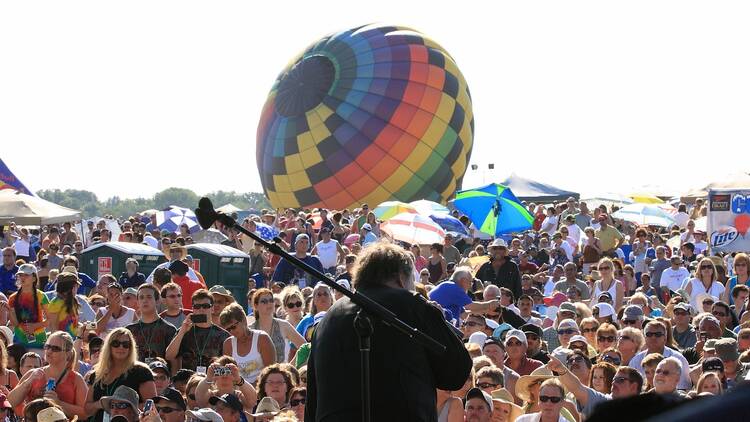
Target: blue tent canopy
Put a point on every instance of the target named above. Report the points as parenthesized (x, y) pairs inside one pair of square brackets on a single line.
[(531, 190)]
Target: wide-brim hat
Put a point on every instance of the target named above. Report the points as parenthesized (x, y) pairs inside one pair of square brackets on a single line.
[(503, 396), (267, 406), (220, 290), (522, 385)]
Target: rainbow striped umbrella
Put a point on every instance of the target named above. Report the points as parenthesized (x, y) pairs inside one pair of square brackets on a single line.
[(415, 229), (494, 209), (389, 209)]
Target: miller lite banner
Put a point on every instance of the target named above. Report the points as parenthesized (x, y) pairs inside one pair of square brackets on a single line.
[(729, 220)]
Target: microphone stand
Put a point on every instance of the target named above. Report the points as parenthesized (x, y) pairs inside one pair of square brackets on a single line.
[(369, 309)]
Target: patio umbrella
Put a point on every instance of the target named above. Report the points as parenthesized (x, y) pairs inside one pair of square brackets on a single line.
[(388, 209), (209, 236), (493, 209), (351, 239), (32, 210), (265, 231), (173, 218), (450, 224), (644, 214), (606, 198), (426, 207), (645, 198), (414, 229)]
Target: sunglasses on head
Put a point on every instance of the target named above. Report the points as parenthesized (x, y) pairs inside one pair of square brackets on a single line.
[(125, 344), (553, 399), (202, 306)]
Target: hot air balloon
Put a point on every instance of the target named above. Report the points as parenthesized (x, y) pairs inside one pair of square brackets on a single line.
[(370, 114)]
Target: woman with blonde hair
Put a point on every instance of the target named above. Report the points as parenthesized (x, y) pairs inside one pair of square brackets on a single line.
[(608, 283), (741, 276), (704, 283), (550, 403), (321, 301), (630, 341), (69, 390), (281, 331), (606, 337), (294, 304), (529, 389), (709, 382), (589, 326), (118, 366)]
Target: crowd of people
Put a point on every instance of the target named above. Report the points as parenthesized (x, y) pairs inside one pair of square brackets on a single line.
[(578, 311)]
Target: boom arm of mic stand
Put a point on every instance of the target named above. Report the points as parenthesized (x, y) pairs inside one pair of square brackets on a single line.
[(371, 307)]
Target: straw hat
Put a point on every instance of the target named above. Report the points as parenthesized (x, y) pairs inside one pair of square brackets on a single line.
[(503, 396), (541, 373)]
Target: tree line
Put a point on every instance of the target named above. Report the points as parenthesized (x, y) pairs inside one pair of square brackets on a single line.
[(88, 203)]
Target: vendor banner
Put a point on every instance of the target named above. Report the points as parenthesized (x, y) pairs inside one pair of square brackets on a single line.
[(729, 220)]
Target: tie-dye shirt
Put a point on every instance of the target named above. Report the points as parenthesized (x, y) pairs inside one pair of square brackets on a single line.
[(65, 321), (27, 313)]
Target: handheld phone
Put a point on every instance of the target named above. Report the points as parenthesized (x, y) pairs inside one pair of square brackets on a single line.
[(198, 318), (148, 405), (50, 385)]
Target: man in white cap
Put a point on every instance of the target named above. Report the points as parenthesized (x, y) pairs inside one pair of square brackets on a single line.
[(515, 347), (501, 270)]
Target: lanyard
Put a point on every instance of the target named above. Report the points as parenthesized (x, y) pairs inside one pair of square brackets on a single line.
[(205, 342), (147, 341)]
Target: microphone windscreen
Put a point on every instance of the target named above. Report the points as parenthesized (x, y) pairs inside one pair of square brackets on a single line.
[(205, 213)]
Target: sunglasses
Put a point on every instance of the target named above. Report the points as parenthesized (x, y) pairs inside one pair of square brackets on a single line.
[(297, 402), (166, 410), (553, 399), (612, 359), (706, 267), (575, 359), (625, 338), (606, 339), (292, 305), (680, 313), (589, 330), (202, 305), (98, 304), (567, 331), (53, 348), (486, 385), (233, 326), (125, 344), (718, 314), (656, 334), (119, 405)]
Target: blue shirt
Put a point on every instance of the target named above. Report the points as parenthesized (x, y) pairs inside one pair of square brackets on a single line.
[(87, 283), (451, 297), (8, 279), (288, 273)]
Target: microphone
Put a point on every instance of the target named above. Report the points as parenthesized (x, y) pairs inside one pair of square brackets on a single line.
[(206, 213)]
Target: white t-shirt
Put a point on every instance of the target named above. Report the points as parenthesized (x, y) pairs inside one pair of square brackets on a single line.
[(568, 250), (574, 232), (549, 287), (328, 253), (697, 288), (674, 279), (700, 247), (22, 247), (549, 225), (681, 219)]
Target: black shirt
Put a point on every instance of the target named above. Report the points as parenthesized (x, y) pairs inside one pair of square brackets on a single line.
[(200, 346), (136, 280), (152, 338), (133, 378), (507, 276)]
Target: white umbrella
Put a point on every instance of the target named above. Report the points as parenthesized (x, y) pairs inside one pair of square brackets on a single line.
[(209, 236), (28, 210), (228, 209), (607, 198), (413, 228), (644, 214), (426, 207)]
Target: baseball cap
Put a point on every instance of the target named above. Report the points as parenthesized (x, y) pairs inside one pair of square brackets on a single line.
[(301, 237), (726, 349), (157, 365), (710, 345), (578, 337), (518, 335), (228, 399), (713, 364), (605, 310), (478, 393), (27, 269), (684, 306), (367, 227), (344, 283), (567, 323), (633, 312), (532, 329), (568, 307), (171, 394), (130, 291)]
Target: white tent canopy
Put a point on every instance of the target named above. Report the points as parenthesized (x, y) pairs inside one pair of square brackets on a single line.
[(228, 209), (32, 211)]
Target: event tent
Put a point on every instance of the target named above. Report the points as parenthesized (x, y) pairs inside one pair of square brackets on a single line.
[(531, 190), (739, 180), (31, 210)]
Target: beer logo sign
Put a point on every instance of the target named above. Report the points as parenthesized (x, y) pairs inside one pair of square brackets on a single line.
[(723, 236)]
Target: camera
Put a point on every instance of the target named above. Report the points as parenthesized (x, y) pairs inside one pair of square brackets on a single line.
[(222, 371)]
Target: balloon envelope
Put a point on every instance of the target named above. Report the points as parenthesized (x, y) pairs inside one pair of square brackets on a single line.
[(369, 114)]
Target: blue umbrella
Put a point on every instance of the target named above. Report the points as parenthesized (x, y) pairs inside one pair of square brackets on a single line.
[(173, 218), (450, 224), (494, 209), (265, 231)]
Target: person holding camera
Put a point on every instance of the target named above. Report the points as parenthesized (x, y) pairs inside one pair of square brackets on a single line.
[(224, 377), (252, 350), (151, 332), (198, 340)]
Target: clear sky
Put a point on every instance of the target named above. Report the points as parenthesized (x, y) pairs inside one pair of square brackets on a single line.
[(128, 98)]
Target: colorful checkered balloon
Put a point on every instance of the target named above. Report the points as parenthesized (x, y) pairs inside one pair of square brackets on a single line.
[(370, 114)]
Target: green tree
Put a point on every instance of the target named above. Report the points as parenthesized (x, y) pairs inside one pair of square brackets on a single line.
[(175, 196)]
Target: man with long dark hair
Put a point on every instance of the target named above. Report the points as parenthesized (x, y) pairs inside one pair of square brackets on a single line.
[(405, 376)]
